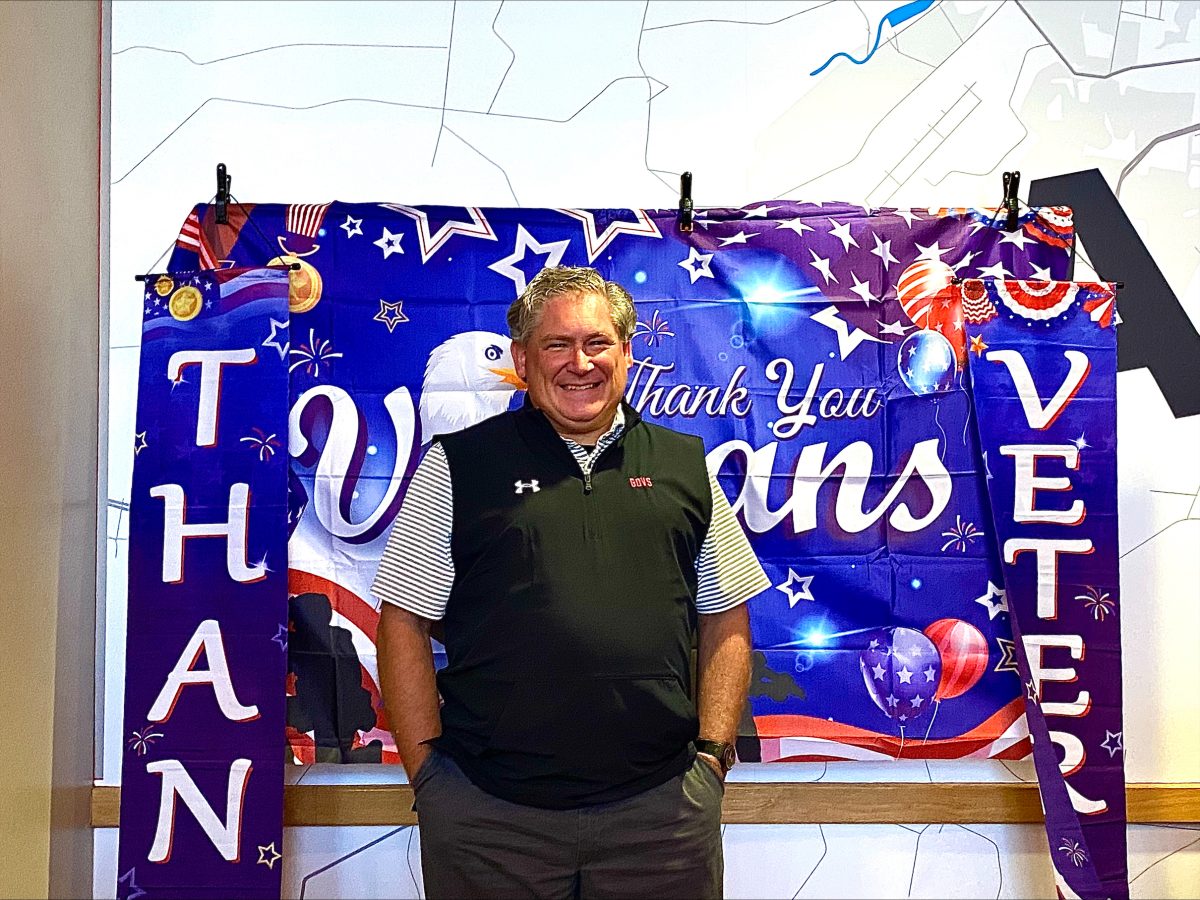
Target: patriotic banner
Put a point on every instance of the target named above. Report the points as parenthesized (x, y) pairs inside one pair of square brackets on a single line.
[(822, 351), (1047, 421), (207, 641)]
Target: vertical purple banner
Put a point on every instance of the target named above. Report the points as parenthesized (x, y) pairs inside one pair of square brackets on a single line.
[(206, 651), (1043, 363)]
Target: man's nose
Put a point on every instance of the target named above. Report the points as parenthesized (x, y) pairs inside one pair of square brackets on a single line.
[(580, 361)]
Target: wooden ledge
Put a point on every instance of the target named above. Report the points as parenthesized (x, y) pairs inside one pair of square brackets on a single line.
[(762, 803)]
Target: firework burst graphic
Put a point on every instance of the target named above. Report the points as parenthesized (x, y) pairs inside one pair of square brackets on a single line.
[(141, 740), (1098, 601), (1074, 851), (653, 331), (313, 354), (961, 535), (265, 444)]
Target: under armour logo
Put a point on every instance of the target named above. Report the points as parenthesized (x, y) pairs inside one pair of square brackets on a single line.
[(523, 486)]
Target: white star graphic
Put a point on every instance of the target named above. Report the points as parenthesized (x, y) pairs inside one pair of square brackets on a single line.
[(929, 674), (1081, 442), (644, 226), (796, 225), (883, 249), (761, 211), (1031, 691), (821, 264), (873, 645), (905, 676), (933, 252), (478, 227), (351, 226), (966, 260), (389, 243), (740, 238), (995, 601), (862, 288), (1016, 237), (697, 264), (894, 328), (847, 340), (794, 593), (390, 314), (906, 215), (268, 856), (273, 338), (917, 701), (1040, 273), (525, 242), (994, 271), (1112, 742), (140, 443), (842, 233), (877, 669), (892, 701)]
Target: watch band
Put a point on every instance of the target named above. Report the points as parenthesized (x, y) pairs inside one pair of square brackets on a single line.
[(724, 753)]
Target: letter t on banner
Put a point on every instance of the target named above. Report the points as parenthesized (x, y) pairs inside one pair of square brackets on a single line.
[(206, 649), (1047, 422)]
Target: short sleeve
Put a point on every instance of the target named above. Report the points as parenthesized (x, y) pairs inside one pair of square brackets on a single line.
[(728, 570), (416, 571)]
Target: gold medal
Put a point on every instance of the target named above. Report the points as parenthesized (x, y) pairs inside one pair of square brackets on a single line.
[(304, 284), (186, 303), (164, 285)]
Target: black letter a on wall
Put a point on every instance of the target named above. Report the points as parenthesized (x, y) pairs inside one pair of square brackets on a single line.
[(1155, 332)]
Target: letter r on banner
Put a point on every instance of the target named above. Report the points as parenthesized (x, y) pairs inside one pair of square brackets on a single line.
[(234, 530), (176, 782)]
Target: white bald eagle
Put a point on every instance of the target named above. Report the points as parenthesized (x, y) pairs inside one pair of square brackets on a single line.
[(468, 378)]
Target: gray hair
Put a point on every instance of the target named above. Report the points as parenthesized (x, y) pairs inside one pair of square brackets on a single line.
[(526, 311)]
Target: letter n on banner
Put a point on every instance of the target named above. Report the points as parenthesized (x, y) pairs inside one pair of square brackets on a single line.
[(206, 645), (1043, 364)]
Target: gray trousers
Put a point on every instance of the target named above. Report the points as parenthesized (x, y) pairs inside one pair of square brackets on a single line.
[(663, 843)]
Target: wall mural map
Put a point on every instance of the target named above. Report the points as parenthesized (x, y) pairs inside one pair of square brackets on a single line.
[(1097, 106)]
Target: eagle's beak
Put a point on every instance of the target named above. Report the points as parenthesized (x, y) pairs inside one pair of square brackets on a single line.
[(509, 376)]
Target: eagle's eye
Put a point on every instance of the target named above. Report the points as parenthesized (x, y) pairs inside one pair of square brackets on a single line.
[(493, 353)]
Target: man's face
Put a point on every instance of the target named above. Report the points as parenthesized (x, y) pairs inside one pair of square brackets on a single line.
[(575, 365)]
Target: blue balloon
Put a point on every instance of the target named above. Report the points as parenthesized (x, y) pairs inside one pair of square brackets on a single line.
[(927, 363)]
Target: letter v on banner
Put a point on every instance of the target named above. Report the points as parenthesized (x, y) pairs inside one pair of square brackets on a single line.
[(1047, 426), (206, 648)]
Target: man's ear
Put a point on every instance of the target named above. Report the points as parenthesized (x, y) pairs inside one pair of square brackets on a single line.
[(626, 351), (517, 349)]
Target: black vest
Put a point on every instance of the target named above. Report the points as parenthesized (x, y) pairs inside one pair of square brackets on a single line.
[(568, 628)]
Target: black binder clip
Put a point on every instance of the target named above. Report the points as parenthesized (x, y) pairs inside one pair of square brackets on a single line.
[(1012, 181), (686, 210), (224, 180)]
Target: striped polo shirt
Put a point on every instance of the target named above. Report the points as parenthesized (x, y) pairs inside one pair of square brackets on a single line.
[(416, 571)]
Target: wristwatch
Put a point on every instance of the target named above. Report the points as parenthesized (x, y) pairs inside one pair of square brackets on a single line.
[(724, 753)]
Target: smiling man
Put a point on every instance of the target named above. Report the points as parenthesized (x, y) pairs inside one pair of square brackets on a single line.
[(567, 548)]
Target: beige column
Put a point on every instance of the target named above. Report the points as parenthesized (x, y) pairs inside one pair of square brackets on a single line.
[(49, 340)]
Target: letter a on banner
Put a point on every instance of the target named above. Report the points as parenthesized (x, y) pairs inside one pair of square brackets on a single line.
[(206, 649)]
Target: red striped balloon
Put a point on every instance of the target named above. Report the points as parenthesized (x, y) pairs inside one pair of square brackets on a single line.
[(919, 284), (964, 654)]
